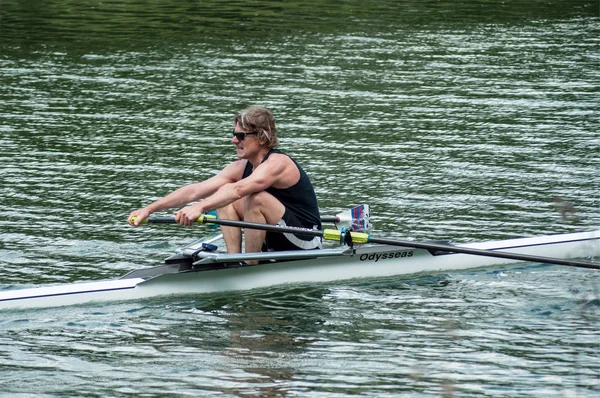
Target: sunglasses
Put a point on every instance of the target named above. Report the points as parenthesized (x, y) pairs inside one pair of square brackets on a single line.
[(240, 135)]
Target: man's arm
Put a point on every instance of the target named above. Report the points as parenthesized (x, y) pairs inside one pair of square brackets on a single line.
[(278, 171), (189, 193)]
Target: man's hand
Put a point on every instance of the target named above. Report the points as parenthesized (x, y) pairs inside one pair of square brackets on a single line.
[(188, 215), (140, 215)]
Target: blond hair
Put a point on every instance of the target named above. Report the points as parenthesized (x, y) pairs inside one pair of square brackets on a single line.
[(260, 120)]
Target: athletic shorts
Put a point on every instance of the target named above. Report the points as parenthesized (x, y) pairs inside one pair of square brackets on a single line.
[(276, 241)]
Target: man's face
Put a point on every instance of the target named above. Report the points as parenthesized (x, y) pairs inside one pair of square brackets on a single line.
[(246, 142)]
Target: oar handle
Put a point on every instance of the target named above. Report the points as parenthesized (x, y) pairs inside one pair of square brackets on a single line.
[(133, 219), (160, 220), (170, 220), (356, 219), (155, 220)]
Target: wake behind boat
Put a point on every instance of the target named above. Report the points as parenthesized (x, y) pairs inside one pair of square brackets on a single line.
[(199, 268)]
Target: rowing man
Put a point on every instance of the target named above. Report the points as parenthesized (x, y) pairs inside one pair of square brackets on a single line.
[(264, 186)]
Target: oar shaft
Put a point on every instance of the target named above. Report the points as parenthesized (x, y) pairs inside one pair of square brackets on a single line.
[(358, 237), (264, 227), (161, 220), (171, 219), (487, 253), (330, 219)]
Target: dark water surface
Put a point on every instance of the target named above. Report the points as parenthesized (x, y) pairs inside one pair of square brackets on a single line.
[(453, 120)]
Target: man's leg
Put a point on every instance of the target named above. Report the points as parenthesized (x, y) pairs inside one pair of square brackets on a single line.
[(261, 207), (232, 235)]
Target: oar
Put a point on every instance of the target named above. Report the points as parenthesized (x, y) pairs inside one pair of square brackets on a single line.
[(355, 219), (344, 236)]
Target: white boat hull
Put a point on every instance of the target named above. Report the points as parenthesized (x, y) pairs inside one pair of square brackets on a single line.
[(362, 262)]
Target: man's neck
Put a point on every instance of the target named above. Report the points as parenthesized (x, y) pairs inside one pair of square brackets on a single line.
[(258, 158)]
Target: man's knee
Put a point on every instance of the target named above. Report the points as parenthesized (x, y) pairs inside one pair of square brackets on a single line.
[(263, 205), (234, 210), (257, 200)]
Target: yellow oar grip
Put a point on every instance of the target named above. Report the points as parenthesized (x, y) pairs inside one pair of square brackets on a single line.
[(205, 218), (332, 234), (132, 220), (360, 237), (336, 235)]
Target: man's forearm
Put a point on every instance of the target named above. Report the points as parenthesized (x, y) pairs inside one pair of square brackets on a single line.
[(177, 198), (225, 195)]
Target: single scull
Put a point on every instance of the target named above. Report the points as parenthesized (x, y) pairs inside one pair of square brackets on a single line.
[(197, 268)]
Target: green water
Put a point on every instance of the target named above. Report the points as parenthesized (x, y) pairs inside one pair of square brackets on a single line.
[(453, 120)]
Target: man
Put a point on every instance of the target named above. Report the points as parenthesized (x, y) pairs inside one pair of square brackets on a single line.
[(264, 186)]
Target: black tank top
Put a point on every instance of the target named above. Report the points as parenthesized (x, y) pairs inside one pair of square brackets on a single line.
[(300, 198)]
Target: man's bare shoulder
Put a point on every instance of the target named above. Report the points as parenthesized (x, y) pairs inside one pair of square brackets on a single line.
[(281, 169), (234, 170), (280, 158)]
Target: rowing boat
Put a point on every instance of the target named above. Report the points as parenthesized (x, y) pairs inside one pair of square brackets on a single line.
[(198, 268)]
